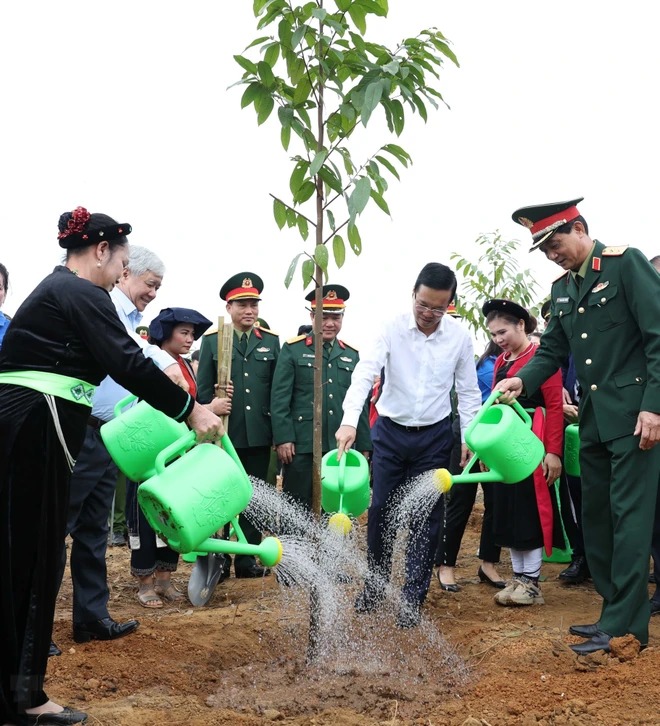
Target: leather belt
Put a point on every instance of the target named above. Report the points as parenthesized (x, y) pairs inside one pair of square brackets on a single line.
[(414, 428), (95, 422)]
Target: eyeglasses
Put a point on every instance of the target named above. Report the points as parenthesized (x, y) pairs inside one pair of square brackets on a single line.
[(436, 312)]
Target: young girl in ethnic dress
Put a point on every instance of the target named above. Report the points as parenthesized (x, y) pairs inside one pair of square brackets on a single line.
[(526, 517)]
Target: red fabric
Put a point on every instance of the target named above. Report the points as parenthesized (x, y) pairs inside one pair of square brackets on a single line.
[(541, 489), (373, 413), (187, 374), (566, 215)]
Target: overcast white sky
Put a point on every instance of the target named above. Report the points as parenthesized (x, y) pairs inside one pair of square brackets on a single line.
[(124, 107)]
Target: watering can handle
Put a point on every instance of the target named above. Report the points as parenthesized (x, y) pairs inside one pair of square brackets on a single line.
[(514, 404), (229, 448), (174, 449), (124, 402), (342, 473)]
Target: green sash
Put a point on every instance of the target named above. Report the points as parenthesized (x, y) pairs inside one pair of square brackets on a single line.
[(71, 389)]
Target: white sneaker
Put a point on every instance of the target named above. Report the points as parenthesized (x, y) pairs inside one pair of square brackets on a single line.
[(503, 597), (527, 593)]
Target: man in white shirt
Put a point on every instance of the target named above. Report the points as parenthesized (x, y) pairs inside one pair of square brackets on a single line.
[(94, 476), (424, 354)]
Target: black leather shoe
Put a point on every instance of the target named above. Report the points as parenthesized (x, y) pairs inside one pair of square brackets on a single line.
[(369, 599), (585, 631), (576, 572), (105, 629), (63, 718), (598, 641), (53, 650), (655, 607), (483, 577), (409, 616), (252, 570)]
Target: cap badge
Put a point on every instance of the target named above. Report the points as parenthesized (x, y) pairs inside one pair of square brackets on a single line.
[(332, 295), (247, 282), (525, 222), (601, 286)]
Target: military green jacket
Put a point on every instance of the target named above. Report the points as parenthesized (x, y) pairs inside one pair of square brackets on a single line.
[(611, 325), (292, 397), (252, 376)]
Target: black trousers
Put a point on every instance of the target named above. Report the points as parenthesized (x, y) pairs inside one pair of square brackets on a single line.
[(256, 461), (398, 457), (655, 550), (148, 558), (297, 479), (459, 507), (92, 489)]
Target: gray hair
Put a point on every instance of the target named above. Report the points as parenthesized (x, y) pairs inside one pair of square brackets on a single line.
[(141, 260)]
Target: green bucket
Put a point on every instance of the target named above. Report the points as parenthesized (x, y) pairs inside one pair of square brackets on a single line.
[(502, 438), (192, 498), (572, 449), (345, 483), (135, 437)]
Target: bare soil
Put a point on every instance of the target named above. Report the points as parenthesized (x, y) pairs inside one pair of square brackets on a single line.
[(241, 660)]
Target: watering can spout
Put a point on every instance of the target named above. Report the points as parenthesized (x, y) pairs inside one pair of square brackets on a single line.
[(269, 551)]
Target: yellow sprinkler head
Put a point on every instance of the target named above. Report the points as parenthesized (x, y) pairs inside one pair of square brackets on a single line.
[(340, 523), (442, 480)]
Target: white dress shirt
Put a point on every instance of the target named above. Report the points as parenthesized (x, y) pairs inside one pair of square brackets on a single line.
[(420, 371), (109, 393)]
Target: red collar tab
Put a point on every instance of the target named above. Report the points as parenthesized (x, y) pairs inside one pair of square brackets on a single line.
[(554, 221), (341, 344), (258, 333), (309, 340), (595, 264)]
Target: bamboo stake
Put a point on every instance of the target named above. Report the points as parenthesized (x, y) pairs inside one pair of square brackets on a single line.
[(225, 344)]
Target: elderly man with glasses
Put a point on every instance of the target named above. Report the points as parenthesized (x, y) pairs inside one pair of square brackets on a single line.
[(424, 353)]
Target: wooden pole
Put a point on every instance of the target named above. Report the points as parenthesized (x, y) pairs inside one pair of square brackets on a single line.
[(225, 344)]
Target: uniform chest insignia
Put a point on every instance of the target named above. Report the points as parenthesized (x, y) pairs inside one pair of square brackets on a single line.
[(600, 286), (346, 359), (562, 299), (308, 355), (263, 349)]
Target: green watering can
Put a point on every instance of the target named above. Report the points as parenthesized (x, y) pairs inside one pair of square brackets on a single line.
[(572, 449), (189, 500), (502, 438), (135, 437), (344, 487)]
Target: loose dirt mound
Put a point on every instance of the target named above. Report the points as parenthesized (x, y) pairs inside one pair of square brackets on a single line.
[(241, 660)]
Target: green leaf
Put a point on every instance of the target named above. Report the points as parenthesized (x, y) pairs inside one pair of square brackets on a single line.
[(272, 54), (317, 162), (303, 227), (279, 212), (380, 201), (389, 166), (306, 191), (291, 218), (265, 106), (246, 64), (285, 137), (298, 35), (359, 197), (331, 179), (339, 250), (307, 272), (320, 13), (298, 176), (354, 239), (321, 257), (331, 220), (344, 5), (266, 74), (401, 154), (303, 89), (292, 268), (358, 16), (372, 96), (257, 41), (250, 93)]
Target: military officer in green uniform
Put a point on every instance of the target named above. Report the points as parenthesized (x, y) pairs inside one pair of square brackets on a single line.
[(292, 397), (254, 354), (605, 310)]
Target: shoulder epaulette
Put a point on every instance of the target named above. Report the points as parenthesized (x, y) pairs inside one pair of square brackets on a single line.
[(563, 274), (614, 251), (348, 345), (211, 332), (297, 339), (267, 330)]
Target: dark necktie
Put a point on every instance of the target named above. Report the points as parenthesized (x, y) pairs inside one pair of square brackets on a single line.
[(578, 281), (327, 347), (242, 344)]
